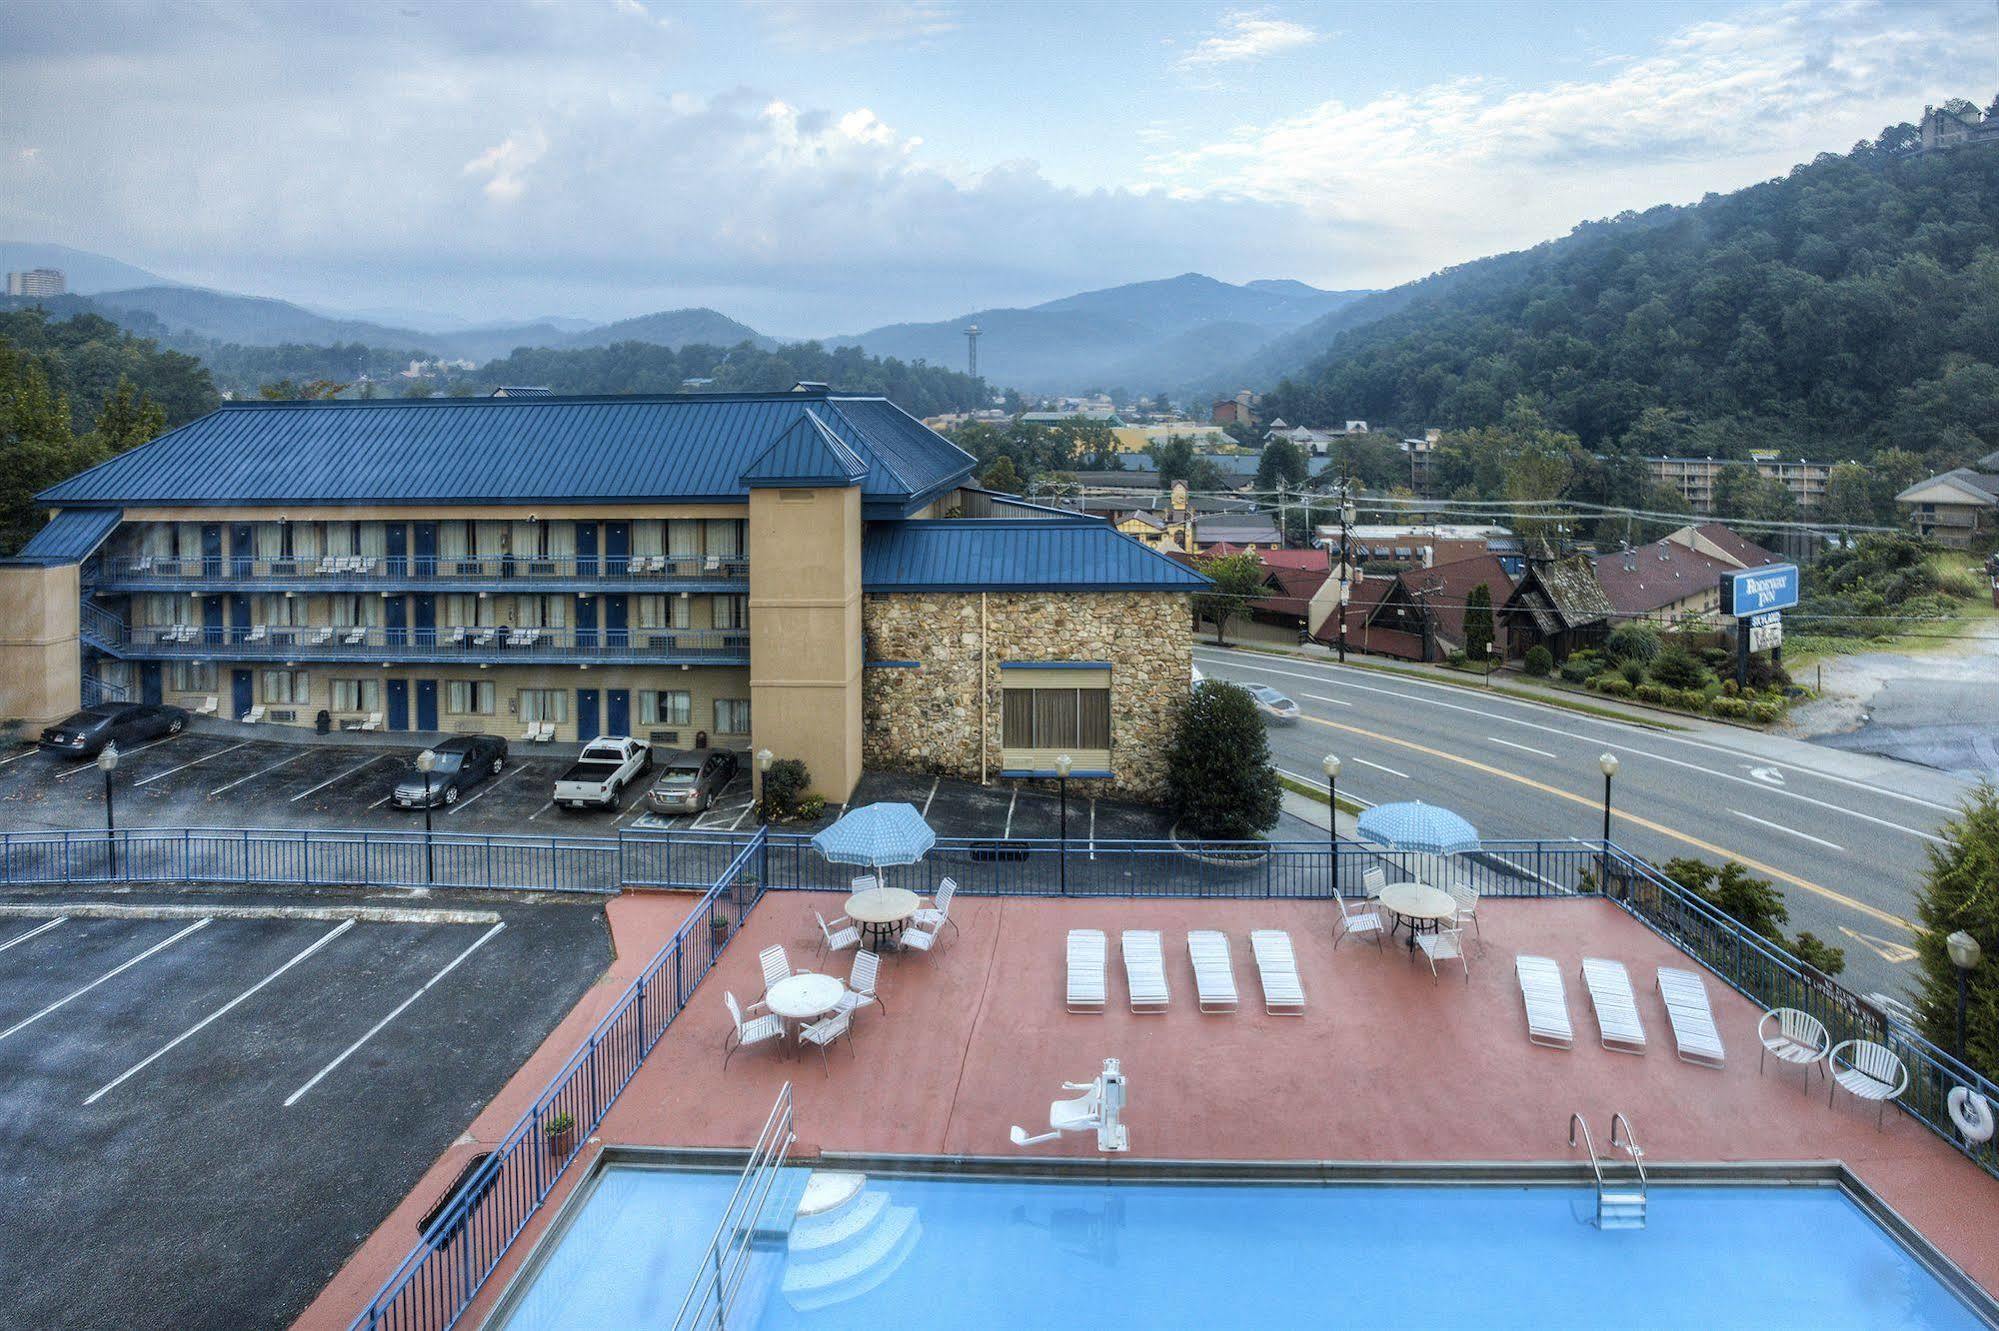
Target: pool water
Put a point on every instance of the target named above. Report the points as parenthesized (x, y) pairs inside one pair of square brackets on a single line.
[(956, 1254)]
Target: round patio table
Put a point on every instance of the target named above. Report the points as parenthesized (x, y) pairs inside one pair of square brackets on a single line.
[(881, 912), (1419, 906), (804, 997)]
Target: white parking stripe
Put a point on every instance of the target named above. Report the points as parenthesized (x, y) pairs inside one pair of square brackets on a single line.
[(490, 785), (17, 757), (376, 1029), (81, 768), (260, 771), (147, 1061), (38, 929), (931, 796), (147, 780), (331, 779), (1006, 834), (1779, 827), (1524, 748), (1379, 768), (108, 975), (542, 810)]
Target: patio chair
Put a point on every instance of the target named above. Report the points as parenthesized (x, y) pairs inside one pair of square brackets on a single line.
[(1374, 878), (1871, 1072), (776, 965), (1277, 968), (532, 732), (742, 1034), (1694, 1033), (938, 913), (1445, 945), (1546, 1000), (547, 732), (374, 721), (258, 633), (838, 936), (917, 940), (1145, 970), (209, 705), (1214, 975), (1357, 920), (1465, 897), (253, 716), (826, 1030), (1798, 1038), (1617, 1019), (1086, 970), (866, 882), (861, 984)]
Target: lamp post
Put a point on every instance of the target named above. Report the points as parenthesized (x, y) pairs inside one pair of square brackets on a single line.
[(107, 763), (1063, 762), (1330, 764), (1608, 762), (426, 762), (1964, 954), (764, 759)]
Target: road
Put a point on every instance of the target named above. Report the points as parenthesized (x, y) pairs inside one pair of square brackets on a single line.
[(1842, 835)]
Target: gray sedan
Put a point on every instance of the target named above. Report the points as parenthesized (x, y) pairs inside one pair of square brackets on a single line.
[(1276, 708)]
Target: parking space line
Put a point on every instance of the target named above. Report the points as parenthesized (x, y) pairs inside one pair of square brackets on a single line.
[(489, 787), (194, 763), (331, 779), (108, 975), (17, 757), (542, 810), (195, 1029), (261, 771), (376, 1029), (931, 796), (739, 818), (38, 929), (122, 753), (1006, 833)]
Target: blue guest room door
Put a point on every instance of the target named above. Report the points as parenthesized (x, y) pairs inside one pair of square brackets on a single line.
[(426, 704), (617, 711), (240, 700), (149, 683), (586, 715), (399, 704)]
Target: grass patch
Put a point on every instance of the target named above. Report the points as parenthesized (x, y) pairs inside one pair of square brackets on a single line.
[(1312, 792)]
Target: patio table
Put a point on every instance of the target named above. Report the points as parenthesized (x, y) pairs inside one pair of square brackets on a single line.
[(1418, 906), (804, 997), (880, 912)]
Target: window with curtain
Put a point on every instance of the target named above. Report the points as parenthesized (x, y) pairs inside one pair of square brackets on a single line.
[(1048, 711), (308, 540), (683, 538), (193, 676), (452, 540), (666, 707), (344, 611), (468, 697), (356, 695), (156, 539), (731, 612), (544, 705), (161, 607), (724, 537), (648, 536), (559, 539), (374, 539), (287, 688), (732, 716), (268, 540)]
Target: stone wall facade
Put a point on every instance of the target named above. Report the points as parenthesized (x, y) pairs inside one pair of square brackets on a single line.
[(925, 716)]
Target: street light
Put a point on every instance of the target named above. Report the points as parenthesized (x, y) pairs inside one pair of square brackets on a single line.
[(1608, 762), (107, 763), (764, 759), (1063, 762), (1964, 955), (426, 762), (1330, 764)]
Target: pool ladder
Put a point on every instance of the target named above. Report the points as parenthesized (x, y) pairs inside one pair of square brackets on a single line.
[(1620, 1203)]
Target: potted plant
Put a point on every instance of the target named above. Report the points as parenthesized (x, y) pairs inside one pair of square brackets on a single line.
[(718, 928), (557, 1127)]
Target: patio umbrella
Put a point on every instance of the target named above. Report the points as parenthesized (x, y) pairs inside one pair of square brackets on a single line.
[(1417, 826), (877, 834)]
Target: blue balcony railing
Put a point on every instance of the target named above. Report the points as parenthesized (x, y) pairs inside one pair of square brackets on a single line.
[(335, 573), (472, 644)]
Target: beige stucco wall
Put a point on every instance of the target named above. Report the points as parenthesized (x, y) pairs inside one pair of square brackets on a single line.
[(40, 671), (805, 631), (929, 718)]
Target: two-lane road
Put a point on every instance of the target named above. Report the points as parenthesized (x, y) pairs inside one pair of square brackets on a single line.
[(1843, 835)]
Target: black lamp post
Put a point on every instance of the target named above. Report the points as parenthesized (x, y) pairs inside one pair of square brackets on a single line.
[(1063, 762), (107, 763), (426, 762), (1608, 762), (1964, 955), (764, 759), (1330, 764)]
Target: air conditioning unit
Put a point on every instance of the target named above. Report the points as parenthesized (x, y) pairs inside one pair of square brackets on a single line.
[(288, 714)]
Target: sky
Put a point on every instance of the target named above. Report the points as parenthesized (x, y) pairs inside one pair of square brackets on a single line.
[(816, 167)]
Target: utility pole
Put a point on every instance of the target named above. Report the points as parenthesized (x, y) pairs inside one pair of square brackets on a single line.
[(1346, 556)]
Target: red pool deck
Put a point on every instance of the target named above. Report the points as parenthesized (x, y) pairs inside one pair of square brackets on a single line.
[(1387, 1064)]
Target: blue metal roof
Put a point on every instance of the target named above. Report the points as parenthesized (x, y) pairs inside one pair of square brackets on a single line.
[(806, 454), (1015, 554), (691, 447), (70, 536)]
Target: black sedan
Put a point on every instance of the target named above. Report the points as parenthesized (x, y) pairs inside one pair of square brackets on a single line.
[(125, 724), (463, 761)]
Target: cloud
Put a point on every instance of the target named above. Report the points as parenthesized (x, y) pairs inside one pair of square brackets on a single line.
[(832, 24), (505, 164), (1248, 35)]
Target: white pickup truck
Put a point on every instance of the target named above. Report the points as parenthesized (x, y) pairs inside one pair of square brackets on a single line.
[(601, 772)]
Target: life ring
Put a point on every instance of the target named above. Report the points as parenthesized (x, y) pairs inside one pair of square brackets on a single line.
[(1972, 1113)]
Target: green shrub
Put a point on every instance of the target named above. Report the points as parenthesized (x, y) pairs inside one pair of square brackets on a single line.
[(1717, 659), (784, 786), (1219, 782), (1694, 700), (1615, 686), (1632, 671), (1767, 711), (1678, 669), (1658, 693), (1455, 657), (1730, 687), (1577, 671), (811, 807), (1539, 660), (1730, 707), (1633, 642), (1957, 894)]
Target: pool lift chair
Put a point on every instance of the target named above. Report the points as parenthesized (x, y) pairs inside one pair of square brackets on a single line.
[(1098, 1109)]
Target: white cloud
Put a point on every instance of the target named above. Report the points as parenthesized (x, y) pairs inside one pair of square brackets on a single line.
[(506, 163), (832, 24), (1248, 35)]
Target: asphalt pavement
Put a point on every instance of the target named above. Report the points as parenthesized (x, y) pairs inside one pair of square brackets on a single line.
[(1842, 835)]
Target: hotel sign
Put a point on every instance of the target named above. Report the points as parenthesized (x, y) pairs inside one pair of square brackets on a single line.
[(1758, 591), (1766, 632)]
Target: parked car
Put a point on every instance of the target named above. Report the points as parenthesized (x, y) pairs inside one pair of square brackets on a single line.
[(1199, 679), (463, 761), (1276, 708), (691, 779), (602, 771), (85, 734)]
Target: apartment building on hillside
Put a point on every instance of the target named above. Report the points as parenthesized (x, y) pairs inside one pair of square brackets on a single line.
[(1694, 477)]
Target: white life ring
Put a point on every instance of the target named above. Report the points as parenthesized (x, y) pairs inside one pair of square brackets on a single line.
[(1972, 1113)]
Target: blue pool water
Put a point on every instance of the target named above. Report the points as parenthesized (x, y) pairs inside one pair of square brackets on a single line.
[(980, 1254)]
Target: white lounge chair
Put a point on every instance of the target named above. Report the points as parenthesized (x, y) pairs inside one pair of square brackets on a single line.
[(208, 707), (742, 1034), (938, 913), (1357, 920), (547, 732), (1145, 970), (258, 633), (1277, 968), (1445, 945), (861, 984), (838, 936), (826, 1030), (1616, 1006), (1086, 970), (374, 721), (1547, 1002), (1797, 1037), (776, 965), (1867, 1070), (253, 716), (533, 730), (1214, 975), (1694, 1033)]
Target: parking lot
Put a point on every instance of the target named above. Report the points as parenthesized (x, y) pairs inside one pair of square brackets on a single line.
[(212, 1097)]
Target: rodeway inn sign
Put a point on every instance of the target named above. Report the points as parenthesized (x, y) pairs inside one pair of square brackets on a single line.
[(1757, 591)]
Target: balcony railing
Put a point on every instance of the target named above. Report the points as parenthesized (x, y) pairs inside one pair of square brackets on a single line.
[(476, 645), (467, 572)]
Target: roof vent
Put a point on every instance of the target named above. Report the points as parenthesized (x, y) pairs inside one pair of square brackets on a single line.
[(809, 386)]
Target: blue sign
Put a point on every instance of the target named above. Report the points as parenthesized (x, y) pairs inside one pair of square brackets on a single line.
[(1756, 591)]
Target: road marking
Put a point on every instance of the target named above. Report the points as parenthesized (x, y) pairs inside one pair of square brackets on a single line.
[(739, 818), (1316, 697), (1524, 748), (384, 800), (931, 796), (1891, 952), (331, 779), (108, 975), (1379, 768), (254, 775), (542, 810), (195, 763), (401, 1007), (1662, 829), (195, 1029), (38, 929), (81, 768), (1779, 827), (1769, 776), (1006, 833), (490, 786), (17, 757)]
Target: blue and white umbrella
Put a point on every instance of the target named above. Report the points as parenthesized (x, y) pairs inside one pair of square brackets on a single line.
[(1417, 826), (877, 834)]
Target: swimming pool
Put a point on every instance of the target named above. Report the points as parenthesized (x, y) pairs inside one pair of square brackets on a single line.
[(959, 1253)]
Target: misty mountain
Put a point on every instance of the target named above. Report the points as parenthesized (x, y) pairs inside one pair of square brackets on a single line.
[(85, 272), (673, 328)]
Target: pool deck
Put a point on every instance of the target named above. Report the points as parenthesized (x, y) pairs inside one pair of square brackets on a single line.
[(1386, 1064)]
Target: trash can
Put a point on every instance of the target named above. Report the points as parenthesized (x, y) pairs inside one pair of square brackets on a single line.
[(323, 722)]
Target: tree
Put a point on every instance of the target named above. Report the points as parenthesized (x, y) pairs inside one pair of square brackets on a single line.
[(1002, 476), (1754, 903), (1478, 622), (1237, 579), (1283, 466), (1741, 492), (1219, 782), (127, 420), (37, 448), (1961, 891), (1849, 496)]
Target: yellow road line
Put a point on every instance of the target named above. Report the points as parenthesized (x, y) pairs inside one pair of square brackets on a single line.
[(1771, 871)]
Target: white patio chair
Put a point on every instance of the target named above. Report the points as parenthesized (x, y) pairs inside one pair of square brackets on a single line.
[(1616, 1006), (1869, 1071), (1797, 1038), (533, 730), (1373, 878), (776, 965), (1445, 945), (547, 732), (742, 1034), (866, 882), (916, 940), (1546, 1000), (1277, 968), (1694, 1033), (938, 913), (861, 984), (253, 716), (826, 1030), (1214, 974), (208, 707), (1357, 920), (258, 633), (457, 635), (838, 936), (1087, 986), (1145, 970), (374, 721), (1465, 897)]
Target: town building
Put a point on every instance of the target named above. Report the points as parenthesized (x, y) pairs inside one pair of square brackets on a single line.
[(1943, 129), (1248, 531), (768, 570), (1725, 544), (1420, 613), (1397, 546), (1138, 438), (1956, 508), (1694, 478), (1557, 604), (1665, 581), (35, 283), (1237, 410)]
